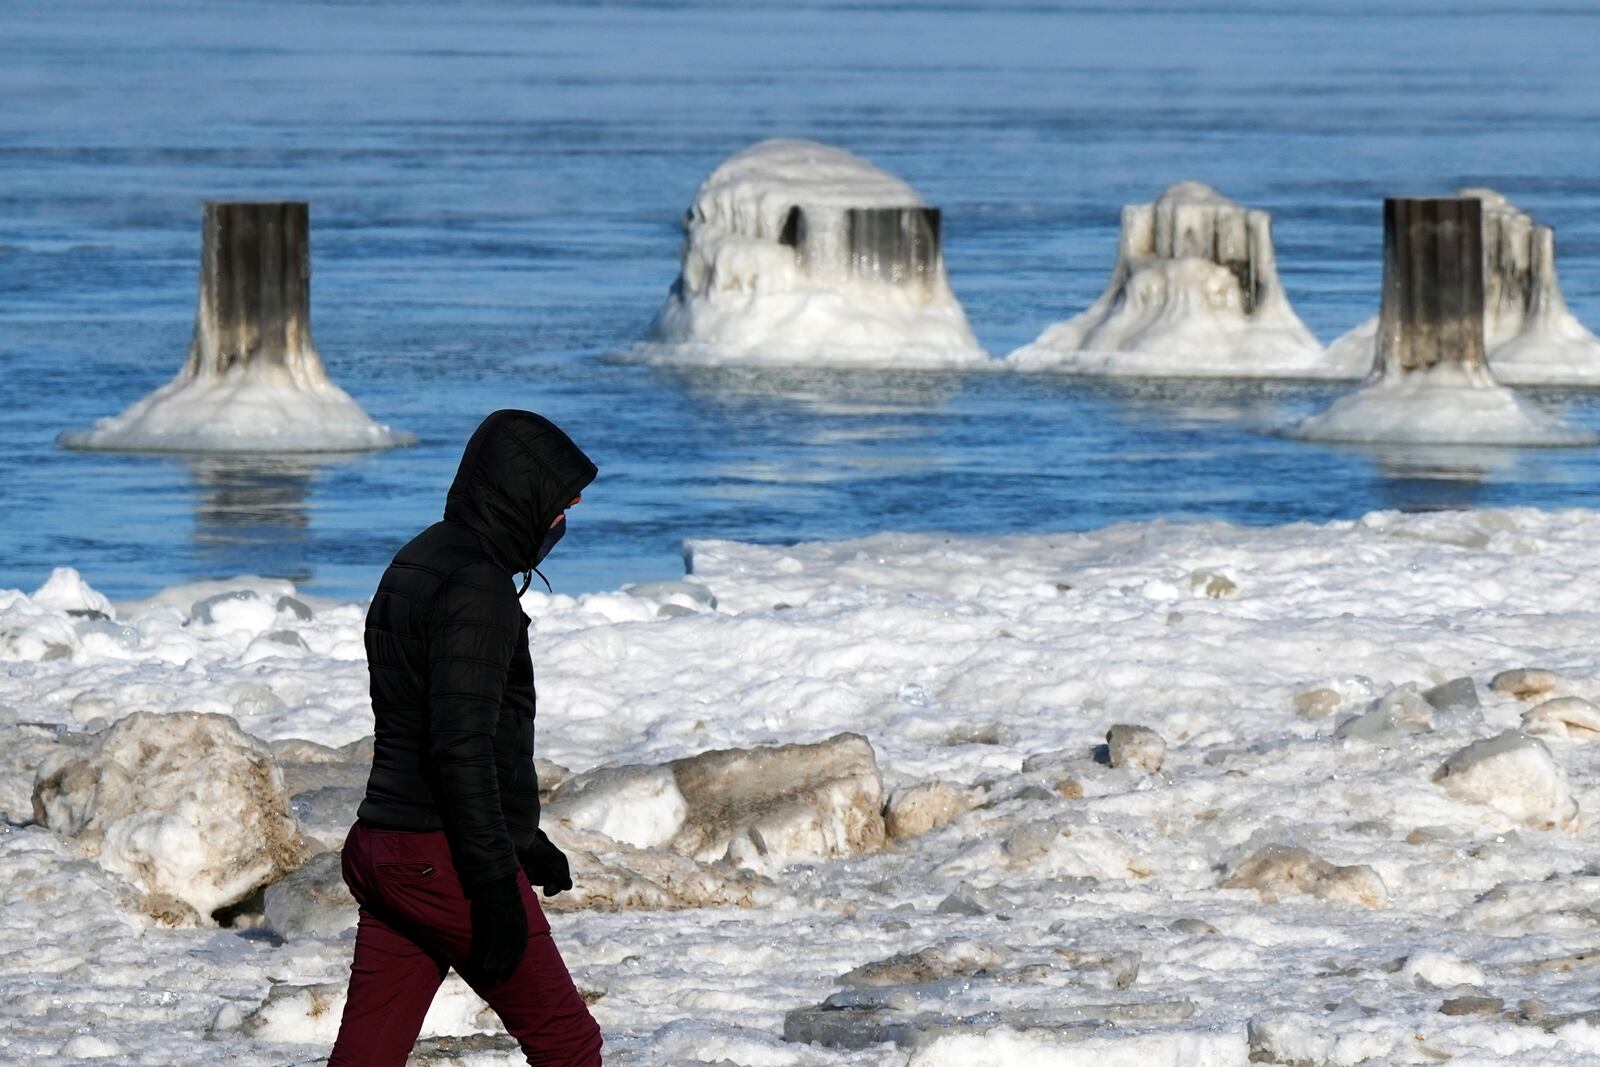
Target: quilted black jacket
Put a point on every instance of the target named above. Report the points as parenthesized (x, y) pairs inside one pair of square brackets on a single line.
[(447, 651)]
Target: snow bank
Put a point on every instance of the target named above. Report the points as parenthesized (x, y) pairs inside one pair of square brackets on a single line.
[(1051, 902), (776, 271), (1004, 1048), (1530, 336), (187, 807), (1194, 293)]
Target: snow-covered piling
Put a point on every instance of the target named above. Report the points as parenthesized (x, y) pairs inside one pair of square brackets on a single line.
[(1432, 310), (891, 245), (253, 381), (801, 253), (1430, 382), (255, 287), (1194, 292), (1530, 337)]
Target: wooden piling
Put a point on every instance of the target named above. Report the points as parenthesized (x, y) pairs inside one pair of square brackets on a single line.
[(898, 245), (1432, 310), (255, 286)]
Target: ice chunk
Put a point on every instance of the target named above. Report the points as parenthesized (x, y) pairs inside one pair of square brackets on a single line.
[(237, 609), (293, 606), (915, 810), (300, 750), (1313, 1041), (1432, 969), (312, 901), (23, 747), (763, 808), (88, 1047), (610, 876), (919, 1014), (1516, 775), (1212, 583), (186, 806), (310, 1014), (925, 965), (65, 590), (1569, 718), (326, 813), (1317, 703), (1525, 683), (1135, 746), (798, 252), (1458, 697), (1403, 709), (1281, 870), (1472, 1005), (1194, 293)]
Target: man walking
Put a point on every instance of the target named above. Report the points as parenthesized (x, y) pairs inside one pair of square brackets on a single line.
[(447, 844)]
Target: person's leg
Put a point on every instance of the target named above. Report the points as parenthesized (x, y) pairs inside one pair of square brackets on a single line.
[(414, 880), (539, 1004), (392, 982), (392, 978)]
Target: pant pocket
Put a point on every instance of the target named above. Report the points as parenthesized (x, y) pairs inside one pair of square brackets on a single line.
[(406, 873)]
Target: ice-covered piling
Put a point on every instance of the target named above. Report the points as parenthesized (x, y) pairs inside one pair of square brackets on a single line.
[(798, 252), (1194, 292), (255, 288), (1432, 310), (253, 381), (1430, 383), (1530, 337)]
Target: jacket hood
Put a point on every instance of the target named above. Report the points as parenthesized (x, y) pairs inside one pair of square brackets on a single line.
[(519, 471)]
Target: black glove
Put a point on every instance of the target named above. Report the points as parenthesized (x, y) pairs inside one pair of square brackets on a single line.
[(499, 929), (546, 865)]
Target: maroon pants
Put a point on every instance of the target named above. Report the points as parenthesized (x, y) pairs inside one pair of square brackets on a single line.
[(415, 925)]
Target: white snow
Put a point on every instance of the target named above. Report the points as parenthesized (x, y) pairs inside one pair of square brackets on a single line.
[(1091, 896), (742, 297), (1441, 406), (1530, 337), (1175, 306), (638, 806), (259, 407)]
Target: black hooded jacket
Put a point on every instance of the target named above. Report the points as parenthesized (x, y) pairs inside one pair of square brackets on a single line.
[(447, 651)]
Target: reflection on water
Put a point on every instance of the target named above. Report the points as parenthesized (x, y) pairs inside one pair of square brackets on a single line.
[(255, 507), (1208, 400), (1438, 478), (820, 391)]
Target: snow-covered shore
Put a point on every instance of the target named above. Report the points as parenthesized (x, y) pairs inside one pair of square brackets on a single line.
[(1311, 863)]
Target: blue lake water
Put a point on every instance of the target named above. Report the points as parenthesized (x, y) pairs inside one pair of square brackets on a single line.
[(496, 190)]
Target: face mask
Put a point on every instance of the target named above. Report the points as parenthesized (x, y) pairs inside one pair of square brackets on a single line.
[(551, 536), (550, 539)]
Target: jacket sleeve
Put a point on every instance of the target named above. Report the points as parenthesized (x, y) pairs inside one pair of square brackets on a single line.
[(470, 643)]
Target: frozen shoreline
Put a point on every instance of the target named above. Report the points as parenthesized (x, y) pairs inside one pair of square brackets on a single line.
[(994, 665)]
